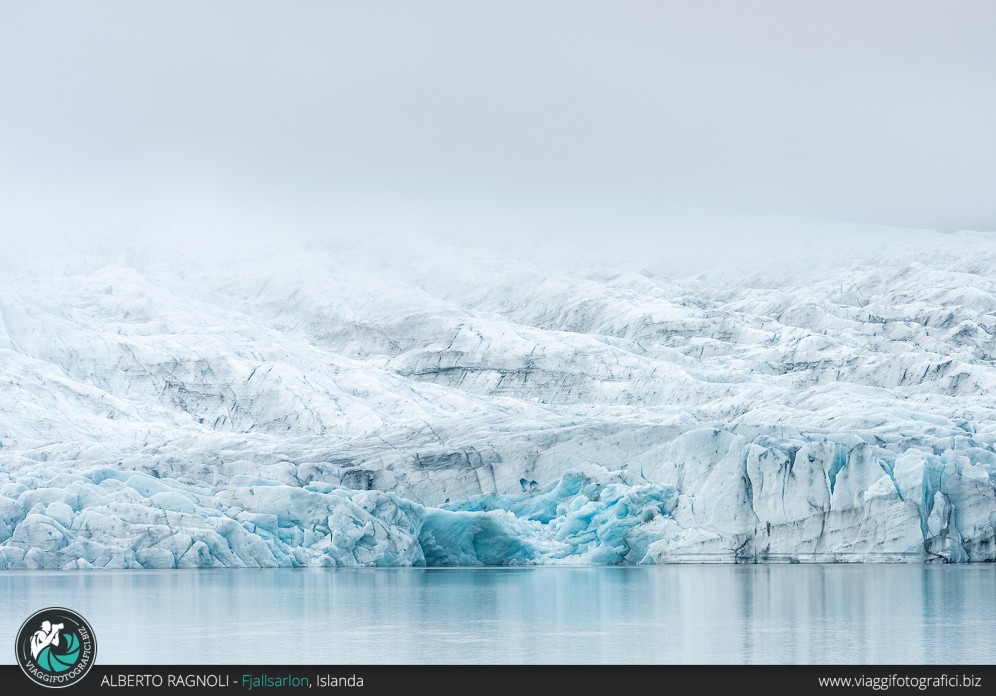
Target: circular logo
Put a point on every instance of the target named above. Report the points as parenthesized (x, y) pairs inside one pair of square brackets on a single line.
[(56, 647)]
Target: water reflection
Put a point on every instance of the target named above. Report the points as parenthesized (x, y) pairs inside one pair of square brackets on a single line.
[(670, 614)]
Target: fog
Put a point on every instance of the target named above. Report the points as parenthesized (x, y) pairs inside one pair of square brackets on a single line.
[(594, 118)]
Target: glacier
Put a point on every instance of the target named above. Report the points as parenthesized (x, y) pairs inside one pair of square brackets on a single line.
[(367, 401)]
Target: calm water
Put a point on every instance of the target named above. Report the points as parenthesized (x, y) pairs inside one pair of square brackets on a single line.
[(669, 614)]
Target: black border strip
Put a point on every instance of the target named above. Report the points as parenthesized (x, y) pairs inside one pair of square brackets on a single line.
[(516, 680)]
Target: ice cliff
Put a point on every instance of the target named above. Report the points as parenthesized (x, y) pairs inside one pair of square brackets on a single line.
[(348, 402)]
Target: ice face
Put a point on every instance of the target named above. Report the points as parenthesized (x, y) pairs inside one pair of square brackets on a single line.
[(433, 404)]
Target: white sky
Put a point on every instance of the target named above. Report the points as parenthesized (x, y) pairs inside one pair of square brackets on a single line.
[(877, 111)]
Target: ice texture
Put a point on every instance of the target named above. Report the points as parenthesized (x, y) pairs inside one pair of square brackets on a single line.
[(343, 402)]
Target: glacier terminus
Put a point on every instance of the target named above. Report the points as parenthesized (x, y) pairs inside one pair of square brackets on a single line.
[(349, 402)]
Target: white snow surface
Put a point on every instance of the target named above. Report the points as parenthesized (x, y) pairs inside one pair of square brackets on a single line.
[(407, 401)]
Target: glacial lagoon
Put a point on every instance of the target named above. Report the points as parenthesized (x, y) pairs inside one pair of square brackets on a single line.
[(737, 614)]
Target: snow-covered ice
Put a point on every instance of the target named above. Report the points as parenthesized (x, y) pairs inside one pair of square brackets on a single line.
[(344, 402)]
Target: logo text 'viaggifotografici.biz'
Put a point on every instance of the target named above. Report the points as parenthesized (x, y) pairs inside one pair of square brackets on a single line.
[(56, 647)]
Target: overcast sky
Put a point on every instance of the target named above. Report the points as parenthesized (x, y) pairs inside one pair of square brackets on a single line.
[(869, 111)]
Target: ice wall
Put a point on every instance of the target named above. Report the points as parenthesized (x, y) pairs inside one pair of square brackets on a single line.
[(348, 403)]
